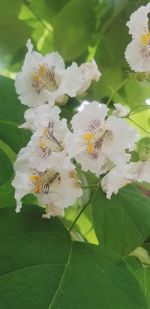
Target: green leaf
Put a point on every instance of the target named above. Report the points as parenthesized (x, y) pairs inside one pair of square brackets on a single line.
[(44, 10), (122, 223), (134, 93), (6, 169), (11, 114), (40, 267), (14, 33), (7, 195), (7, 198), (142, 274), (8, 151), (13, 136), (73, 28), (10, 107), (68, 110)]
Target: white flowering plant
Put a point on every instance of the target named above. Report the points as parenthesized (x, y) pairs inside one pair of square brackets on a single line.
[(75, 159)]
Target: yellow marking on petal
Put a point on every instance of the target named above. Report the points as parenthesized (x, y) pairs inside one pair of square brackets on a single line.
[(33, 178), (44, 131), (87, 136), (41, 72), (37, 182), (42, 69), (90, 147), (36, 76), (37, 189), (72, 174), (43, 142), (145, 38)]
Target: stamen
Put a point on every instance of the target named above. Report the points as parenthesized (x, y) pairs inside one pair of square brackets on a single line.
[(44, 78)]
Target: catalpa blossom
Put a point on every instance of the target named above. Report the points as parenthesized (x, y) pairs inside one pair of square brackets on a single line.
[(120, 110), (119, 177), (39, 116), (44, 78), (98, 142), (138, 51), (55, 188), (47, 144), (89, 72)]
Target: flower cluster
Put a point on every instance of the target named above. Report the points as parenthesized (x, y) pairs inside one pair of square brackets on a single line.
[(43, 167), (98, 139)]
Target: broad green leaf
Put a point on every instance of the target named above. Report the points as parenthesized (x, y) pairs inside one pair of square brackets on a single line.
[(40, 267), (7, 195), (142, 274), (134, 93), (8, 151), (6, 169), (10, 107), (121, 223), (44, 9), (11, 114), (73, 28), (14, 33), (7, 198), (13, 136), (112, 77)]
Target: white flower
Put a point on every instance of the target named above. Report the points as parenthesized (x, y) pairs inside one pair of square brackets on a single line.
[(89, 72), (120, 110), (138, 51), (45, 79), (39, 116), (47, 144), (55, 188), (97, 142), (119, 177)]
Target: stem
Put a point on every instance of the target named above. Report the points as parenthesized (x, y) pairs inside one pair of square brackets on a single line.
[(117, 89), (138, 125), (79, 214)]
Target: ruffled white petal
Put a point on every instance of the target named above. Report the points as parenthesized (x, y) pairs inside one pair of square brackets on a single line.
[(56, 190), (93, 111), (136, 56), (138, 23), (119, 177), (89, 72), (120, 110), (44, 79), (98, 142), (40, 116)]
